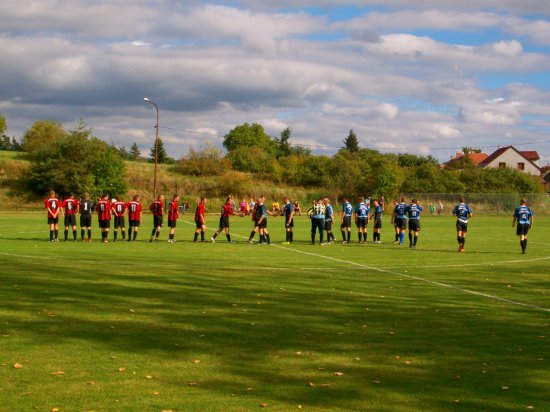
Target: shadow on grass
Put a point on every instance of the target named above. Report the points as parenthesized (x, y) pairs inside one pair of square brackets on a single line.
[(289, 336)]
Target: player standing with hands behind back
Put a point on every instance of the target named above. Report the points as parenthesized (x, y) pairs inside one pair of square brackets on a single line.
[(157, 207), (53, 207), (462, 212), (525, 217)]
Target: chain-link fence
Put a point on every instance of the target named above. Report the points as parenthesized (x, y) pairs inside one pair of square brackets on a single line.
[(481, 203)]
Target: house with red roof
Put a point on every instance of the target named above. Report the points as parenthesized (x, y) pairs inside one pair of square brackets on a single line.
[(509, 156)]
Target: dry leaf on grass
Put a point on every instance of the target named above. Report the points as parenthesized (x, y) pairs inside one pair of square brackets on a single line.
[(121, 369), (196, 361), (148, 377), (17, 365), (263, 405), (192, 383), (339, 373), (57, 373), (311, 384)]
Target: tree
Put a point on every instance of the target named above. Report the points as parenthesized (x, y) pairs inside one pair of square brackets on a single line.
[(162, 154), (247, 135), (76, 162), (351, 143), (134, 153), (3, 125), (42, 133)]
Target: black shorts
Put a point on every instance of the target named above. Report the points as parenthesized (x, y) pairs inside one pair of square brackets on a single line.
[(328, 225), (53, 220), (378, 224), (461, 226), (224, 222), (86, 220), (400, 223), (198, 224), (522, 229), (134, 223), (157, 221), (70, 220), (291, 224), (119, 221), (414, 225), (361, 222), (105, 224), (172, 223), (262, 224), (346, 221)]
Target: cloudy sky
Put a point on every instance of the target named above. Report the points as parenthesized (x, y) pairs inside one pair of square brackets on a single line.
[(425, 79)]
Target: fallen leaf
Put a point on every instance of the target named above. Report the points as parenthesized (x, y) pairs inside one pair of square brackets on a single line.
[(156, 393), (298, 353), (263, 405), (148, 377), (192, 383), (121, 369), (55, 409), (114, 357), (407, 362), (132, 311), (457, 400), (312, 384), (91, 383), (339, 373), (17, 365), (321, 369), (57, 373), (167, 410), (196, 361), (376, 382), (324, 385), (505, 388)]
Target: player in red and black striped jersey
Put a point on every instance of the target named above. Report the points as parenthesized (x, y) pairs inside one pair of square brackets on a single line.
[(200, 222), (119, 211), (134, 216), (173, 214), (157, 208), (53, 206), (227, 211), (69, 208), (104, 216)]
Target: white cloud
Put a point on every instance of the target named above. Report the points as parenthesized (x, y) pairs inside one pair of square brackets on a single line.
[(211, 67)]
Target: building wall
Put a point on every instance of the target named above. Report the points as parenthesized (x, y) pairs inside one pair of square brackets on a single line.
[(512, 159)]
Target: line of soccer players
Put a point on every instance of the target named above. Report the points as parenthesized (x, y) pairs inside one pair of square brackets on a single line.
[(321, 214)]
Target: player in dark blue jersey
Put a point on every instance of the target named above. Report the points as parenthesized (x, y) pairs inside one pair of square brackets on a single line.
[(524, 217), (399, 219), (260, 222), (329, 220), (462, 212), (413, 212), (347, 212), (288, 213), (361, 212), (376, 216)]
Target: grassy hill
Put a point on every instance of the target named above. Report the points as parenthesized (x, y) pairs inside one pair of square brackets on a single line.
[(139, 179)]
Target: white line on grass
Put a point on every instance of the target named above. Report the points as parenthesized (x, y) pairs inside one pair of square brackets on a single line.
[(431, 282)]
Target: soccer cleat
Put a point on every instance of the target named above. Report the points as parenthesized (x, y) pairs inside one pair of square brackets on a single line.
[(285, 243), (250, 241), (83, 240), (321, 244), (89, 240), (213, 240), (396, 242)]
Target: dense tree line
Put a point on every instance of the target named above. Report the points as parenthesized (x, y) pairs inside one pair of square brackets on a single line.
[(351, 171), (76, 161)]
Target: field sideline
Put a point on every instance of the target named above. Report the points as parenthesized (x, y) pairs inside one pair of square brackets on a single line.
[(238, 327)]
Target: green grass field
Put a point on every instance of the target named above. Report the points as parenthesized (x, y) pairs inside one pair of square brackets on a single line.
[(240, 327)]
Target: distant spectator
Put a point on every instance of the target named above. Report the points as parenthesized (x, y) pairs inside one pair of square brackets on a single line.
[(432, 208), (439, 208)]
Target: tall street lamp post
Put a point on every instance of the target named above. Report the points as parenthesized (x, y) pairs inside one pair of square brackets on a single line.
[(156, 146)]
